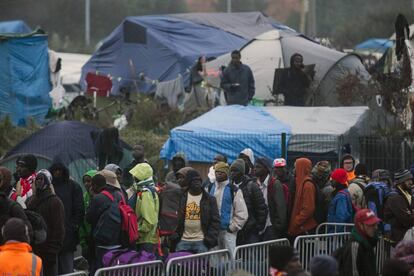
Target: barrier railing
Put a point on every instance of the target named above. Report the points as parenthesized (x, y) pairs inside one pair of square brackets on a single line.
[(254, 258), (77, 273), (154, 268), (382, 253), (214, 263), (323, 244), (329, 227)]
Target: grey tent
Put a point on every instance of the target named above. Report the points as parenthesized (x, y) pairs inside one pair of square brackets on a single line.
[(273, 50)]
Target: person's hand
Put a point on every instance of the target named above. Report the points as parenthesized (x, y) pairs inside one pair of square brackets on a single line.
[(19, 189)]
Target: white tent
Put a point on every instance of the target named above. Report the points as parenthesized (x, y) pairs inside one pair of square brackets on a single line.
[(273, 50), (72, 67)]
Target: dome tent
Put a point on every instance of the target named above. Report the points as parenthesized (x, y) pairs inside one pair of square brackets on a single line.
[(273, 50), (69, 142)]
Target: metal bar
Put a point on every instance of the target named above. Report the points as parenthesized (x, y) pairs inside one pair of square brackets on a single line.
[(154, 267)]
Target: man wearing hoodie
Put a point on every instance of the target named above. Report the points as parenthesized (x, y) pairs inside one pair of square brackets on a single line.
[(247, 156), (357, 256), (70, 193), (26, 170), (178, 162), (302, 220), (255, 203), (348, 164), (146, 208), (275, 199), (198, 217), (50, 207), (340, 208), (231, 206)]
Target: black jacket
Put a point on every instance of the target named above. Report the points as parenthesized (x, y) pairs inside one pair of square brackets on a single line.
[(399, 214), (10, 209), (70, 193), (278, 207), (256, 207), (99, 203), (210, 218), (243, 93), (357, 256), (50, 207)]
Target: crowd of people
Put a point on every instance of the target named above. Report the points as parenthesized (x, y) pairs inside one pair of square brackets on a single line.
[(248, 201)]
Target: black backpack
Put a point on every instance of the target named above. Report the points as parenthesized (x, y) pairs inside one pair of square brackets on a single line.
[(39, 227), (321, 208), (168, 215)]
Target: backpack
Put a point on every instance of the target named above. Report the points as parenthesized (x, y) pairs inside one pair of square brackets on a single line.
[(125, 256), (376, 194), (321, 209), (39, 227), (168, 214), (117, 223)]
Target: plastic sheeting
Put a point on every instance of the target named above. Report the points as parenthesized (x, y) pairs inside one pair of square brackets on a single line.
[(24, 79), (227, 130), (14, 27)]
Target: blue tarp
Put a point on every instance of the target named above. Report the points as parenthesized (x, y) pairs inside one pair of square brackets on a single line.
[(24, 78), (227, 130), (162, 47), (375, 44), (14, 27)]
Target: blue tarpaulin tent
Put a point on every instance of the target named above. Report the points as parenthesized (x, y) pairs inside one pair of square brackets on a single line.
[(162, 47), (14, 27), (227, 130), (24, 77), (375, 44)]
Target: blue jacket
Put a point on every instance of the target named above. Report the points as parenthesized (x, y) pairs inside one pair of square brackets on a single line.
[(340, 208)]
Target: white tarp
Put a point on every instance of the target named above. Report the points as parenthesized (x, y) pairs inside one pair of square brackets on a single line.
[(72, 67)]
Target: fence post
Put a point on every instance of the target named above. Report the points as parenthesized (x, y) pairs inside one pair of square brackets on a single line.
[(283, 146)]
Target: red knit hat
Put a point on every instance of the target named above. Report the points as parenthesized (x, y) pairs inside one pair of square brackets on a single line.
[(340, 176)]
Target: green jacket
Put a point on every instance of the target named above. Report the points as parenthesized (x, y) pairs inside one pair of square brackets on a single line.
[(147, 209)]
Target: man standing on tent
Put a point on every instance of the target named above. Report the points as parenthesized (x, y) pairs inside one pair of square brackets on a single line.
[(294, 82), (237, 81)]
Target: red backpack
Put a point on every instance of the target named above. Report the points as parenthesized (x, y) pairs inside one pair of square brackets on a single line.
[(129, 221)]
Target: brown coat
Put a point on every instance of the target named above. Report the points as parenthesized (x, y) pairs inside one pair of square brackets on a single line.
[(302, 219)]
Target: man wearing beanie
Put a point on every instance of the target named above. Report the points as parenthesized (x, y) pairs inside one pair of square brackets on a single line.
[(231, 206), (26, 170), (50, 207), (340, 208), (399, 206), (255, 203), (147, 206), (15, 255), (275, 198), (357, 256), (198, 217), (324, 265)]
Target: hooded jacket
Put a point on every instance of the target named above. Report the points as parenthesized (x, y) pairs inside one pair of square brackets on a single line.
[(302, 219), (70, 193), (209, 218), (340, 208)]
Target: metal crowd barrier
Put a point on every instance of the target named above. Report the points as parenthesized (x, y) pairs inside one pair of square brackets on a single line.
[(254, 258), (154, 268), (329, 227), (214, 263), (312, 245), (77, 273)]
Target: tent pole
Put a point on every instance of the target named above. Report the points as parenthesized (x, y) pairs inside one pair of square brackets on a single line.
[(87, 22), (283, 146), (228, 6)]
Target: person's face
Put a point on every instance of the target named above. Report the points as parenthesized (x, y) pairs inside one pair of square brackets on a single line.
[(196, 186), (235, 174), (279, 171), (408, 185), (57, 173), (87, 182), (348, 165), (235, 59), (180, 179), (370, 230), (40, 179), (22, 171), (178, 164), (203, 59), (118, 175), (298, 62), (221, 176), (218, 158), (138, 152), (294, 264), (260, 170)]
